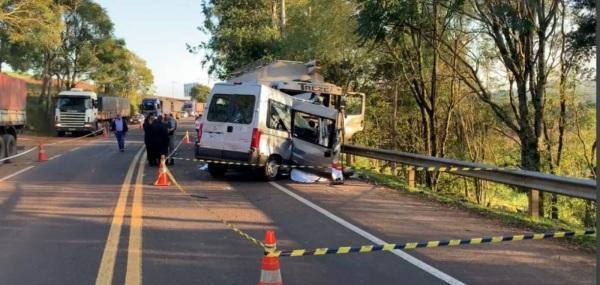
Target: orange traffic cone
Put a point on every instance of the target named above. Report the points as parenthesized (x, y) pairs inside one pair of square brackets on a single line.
[(42, 153), (186, 139), (163, 177), (105, 133), (270, 273)]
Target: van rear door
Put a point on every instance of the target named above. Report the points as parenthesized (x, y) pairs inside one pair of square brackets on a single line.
[(228, 124), (239, 129), (314, 135)]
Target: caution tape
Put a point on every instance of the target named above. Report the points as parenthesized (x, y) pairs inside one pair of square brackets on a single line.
[(425, 244), (417, 168), (225, 222), (238, 163)]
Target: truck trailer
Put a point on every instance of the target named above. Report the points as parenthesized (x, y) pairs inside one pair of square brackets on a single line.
[(85, 111), (13, 100), (157, 106)]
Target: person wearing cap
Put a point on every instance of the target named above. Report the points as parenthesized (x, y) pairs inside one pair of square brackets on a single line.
[(119, 127)]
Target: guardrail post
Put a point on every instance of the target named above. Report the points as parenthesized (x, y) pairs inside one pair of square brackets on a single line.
[(411, 176), (534, 203)]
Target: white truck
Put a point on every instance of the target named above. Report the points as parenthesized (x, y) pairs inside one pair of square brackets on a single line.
[(85, 111), (278, 114), (157, 106), (13, 99)]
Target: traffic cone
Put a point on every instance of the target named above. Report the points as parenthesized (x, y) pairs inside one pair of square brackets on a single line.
[(105, 133), (186, 139), (270, 273), (42, 153), (163, 177)]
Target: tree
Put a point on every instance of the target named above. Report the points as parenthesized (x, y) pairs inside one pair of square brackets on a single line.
[(87, 27), (242, 31), (24, 26), (200, 93)]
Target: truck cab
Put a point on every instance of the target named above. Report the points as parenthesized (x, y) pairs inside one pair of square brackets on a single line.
[(151, 107), (76, 111)]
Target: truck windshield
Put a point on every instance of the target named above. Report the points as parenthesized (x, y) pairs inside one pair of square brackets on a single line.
[(148, 106), (79, 104)]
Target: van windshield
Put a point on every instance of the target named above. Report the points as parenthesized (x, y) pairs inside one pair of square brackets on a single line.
[(237, 109)]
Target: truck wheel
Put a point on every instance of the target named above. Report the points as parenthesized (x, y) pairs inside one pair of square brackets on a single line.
[(271, 170), (2, 149), (10, 145), (217, 170), (60, 134)]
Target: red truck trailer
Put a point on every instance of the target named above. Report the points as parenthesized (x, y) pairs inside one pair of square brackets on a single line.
[(13, 101)]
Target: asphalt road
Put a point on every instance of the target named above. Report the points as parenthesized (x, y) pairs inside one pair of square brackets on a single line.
[(91, 216)]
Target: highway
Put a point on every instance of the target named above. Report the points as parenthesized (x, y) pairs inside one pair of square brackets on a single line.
[(90, 215)]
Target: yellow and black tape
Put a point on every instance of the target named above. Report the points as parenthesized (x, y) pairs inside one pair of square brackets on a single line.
[(417, 168), (426, 244), (238, 163), (225, 222)]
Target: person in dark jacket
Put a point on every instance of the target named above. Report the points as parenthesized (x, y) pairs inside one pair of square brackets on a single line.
[(119, 127), (151, 152), (159, 138)]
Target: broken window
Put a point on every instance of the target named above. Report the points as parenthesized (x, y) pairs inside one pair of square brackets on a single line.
[(314, 129), (279, 117)]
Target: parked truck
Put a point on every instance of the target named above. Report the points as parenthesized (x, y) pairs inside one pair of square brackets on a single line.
[(85, 111), (162, 105), (13, 100)]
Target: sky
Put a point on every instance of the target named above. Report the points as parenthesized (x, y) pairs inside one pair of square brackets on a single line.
[(158, 31)]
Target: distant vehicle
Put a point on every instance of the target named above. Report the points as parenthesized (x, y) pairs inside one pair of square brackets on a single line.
[(13, 100), (161, 105), (193, 108), (137, 119), (256, 124), (84, 111)]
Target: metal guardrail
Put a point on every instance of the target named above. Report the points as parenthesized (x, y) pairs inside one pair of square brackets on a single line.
[(574, 187)]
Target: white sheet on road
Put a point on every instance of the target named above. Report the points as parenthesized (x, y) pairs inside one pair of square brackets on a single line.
[(304, 177)]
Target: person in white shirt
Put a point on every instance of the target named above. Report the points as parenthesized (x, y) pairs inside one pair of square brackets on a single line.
[(119, 128)]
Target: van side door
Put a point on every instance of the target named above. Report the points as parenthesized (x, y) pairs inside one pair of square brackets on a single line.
[(354, 114), (314, 135)]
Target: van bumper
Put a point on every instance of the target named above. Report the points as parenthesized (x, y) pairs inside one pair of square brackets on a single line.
[(229, 156)]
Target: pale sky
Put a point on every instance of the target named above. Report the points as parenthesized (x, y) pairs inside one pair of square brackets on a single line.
[(158, 31)]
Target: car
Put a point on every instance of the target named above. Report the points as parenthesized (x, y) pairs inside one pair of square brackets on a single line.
[(137, 119)]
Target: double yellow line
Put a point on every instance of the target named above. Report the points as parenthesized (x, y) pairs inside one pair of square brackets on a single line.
[(133, 275)]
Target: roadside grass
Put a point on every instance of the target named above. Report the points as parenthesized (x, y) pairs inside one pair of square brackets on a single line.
[(505, 205)]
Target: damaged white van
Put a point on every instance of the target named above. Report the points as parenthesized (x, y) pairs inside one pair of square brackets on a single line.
[(255, 124)]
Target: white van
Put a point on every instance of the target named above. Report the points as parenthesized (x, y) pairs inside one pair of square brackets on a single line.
[(256, 124)]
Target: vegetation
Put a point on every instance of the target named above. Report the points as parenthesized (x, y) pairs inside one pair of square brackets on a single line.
[(501, 82), (66, 43), (200, 93)]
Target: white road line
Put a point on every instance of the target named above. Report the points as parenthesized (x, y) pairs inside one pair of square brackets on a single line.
[(16, 173), (409, 258), (56, 156), (75, 148)]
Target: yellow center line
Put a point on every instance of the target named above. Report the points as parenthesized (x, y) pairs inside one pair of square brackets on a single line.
[(133, 276), (109, 256)]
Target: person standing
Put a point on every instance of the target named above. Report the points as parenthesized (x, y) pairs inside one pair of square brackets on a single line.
[(197, 125), (172, 127), (151, 152), (159, 139), (119, 128)]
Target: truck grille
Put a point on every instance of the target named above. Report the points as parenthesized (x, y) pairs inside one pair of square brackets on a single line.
[(72, 119)]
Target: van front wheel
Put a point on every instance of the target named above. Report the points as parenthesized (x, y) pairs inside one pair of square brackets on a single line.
[(217, 170)]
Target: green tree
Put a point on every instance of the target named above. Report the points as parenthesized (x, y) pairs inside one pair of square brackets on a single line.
[(200, 93), (242, 31)]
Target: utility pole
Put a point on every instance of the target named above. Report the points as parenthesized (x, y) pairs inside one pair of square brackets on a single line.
[(282, 20)]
